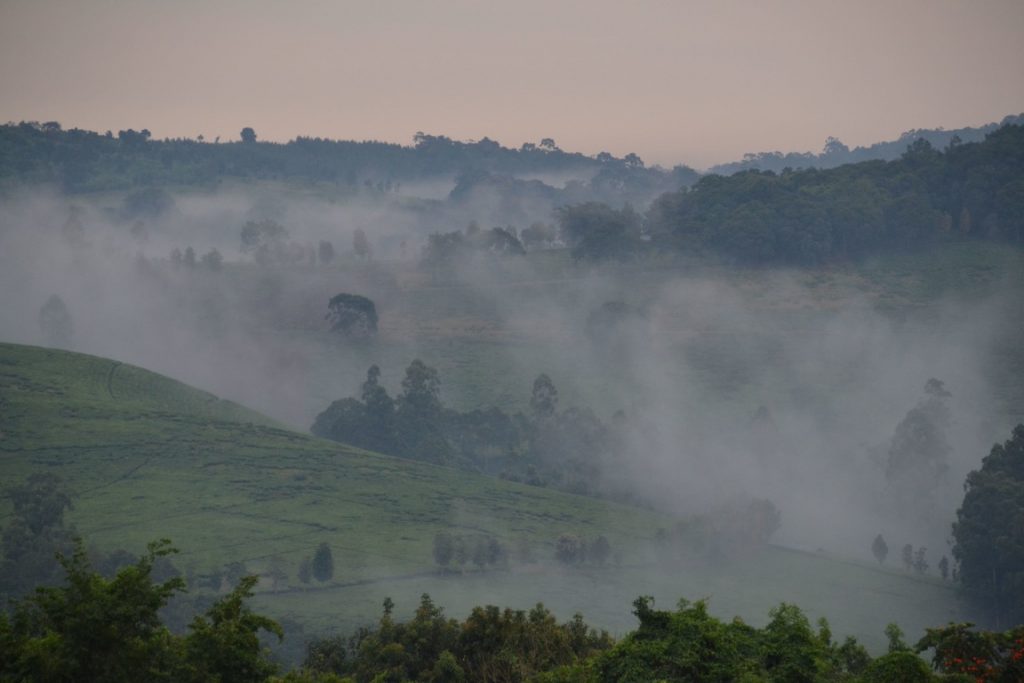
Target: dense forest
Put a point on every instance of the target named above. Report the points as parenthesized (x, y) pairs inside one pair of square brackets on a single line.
[(85, 161), (969, 190), (966, 191)]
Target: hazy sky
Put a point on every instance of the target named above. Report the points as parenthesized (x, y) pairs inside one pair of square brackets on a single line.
[(691, 82)]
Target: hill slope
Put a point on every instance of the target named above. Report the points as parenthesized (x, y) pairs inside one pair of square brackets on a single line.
[(149, 457)]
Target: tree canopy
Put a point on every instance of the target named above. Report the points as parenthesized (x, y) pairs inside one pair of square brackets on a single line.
[(989, 531)]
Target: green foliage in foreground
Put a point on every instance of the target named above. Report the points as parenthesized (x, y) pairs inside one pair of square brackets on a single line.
[(97, 629), (687, 644)]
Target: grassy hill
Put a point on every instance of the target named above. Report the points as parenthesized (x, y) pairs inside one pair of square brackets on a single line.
[(149, 457)]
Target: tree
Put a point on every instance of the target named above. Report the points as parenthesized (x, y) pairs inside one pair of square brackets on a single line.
[(420, 432), (265, 240), (40, 502), (92, 628), (248, 135), (944, 567), (149, 202), (569, 549), (35, 534), (989, 531), (224, 645), (55, 322), (920, 564), (421, 390), (879, 548), (361, 245), (212, 260), (352, 315), (544, 397), (596, 231), (918, 456), (323, 563), (538, 235), (908, 557), (967, 653)]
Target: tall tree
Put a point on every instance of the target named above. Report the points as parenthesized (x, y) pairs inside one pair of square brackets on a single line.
[(55, 322), (989, 531), (544, 397), (879, 548), (323, 563), (35, 534), (224, 645)]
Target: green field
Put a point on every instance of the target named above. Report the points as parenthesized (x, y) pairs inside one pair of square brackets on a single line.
[(148, 457)]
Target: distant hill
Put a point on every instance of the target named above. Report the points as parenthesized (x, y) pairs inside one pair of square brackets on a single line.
[(835, 153), (80, 161)]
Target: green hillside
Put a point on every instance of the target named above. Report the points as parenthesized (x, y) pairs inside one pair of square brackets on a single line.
[(149, 457)]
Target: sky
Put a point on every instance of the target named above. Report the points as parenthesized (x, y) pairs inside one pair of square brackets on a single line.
[(675, 82)]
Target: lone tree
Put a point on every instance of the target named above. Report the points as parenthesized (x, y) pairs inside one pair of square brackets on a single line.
[(352, 315), (248, 135), (323, 563), (55, 322), (544, 398), (880, 549), (569, 549), (944, 567), (918, 457), (989, 531)]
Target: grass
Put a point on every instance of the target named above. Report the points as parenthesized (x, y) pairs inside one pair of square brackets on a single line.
[(148, 457)]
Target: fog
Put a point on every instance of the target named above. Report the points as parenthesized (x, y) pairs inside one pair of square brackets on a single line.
[(834, 369)]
